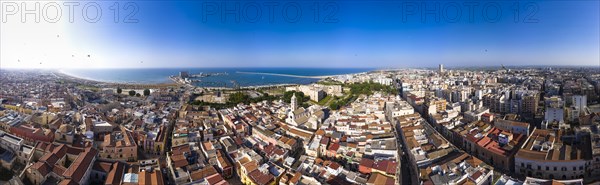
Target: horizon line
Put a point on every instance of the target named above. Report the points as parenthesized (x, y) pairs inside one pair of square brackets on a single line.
[(309, 67)]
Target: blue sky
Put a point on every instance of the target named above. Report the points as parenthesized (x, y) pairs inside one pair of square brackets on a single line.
[(380, 34)]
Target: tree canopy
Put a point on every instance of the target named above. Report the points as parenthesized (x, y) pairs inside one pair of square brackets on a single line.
[(239, 97), (366, 88), (287, 96), (369, 87)]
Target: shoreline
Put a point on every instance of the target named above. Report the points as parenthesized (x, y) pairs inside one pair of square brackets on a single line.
[(67, 76), (173, 83)]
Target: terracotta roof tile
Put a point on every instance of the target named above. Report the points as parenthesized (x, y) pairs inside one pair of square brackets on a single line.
[(80, 165)]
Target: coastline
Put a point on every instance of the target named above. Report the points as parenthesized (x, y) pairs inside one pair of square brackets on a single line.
[(67, 76), (173, 81)]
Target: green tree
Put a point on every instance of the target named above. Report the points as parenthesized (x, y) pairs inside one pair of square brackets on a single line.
[(146, 92), (132, 93), (334, 106), (368, 88), (138, 95), (239, 97), (287, 96), (305, 105), (119, 90)]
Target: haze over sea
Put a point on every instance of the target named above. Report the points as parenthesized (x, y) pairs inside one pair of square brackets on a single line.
[(161, 75)]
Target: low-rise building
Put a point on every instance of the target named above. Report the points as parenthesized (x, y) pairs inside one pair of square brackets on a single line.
[(118, 145), (549, 154)]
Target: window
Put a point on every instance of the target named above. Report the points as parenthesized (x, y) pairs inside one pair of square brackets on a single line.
[(547, 168), (539, 167), (574, 168), (555, 168), (581, 168)]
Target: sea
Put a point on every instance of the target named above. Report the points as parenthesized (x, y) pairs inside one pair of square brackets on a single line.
[(213, 77)]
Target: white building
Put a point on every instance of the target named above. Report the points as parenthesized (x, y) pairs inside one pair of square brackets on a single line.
[(554, 109), (545, 156), (397, 108), (552, 114), (383, 81), (580, 101), (10, 141), (315, 93), (513, 126), (336, 90), (475, 115), (578, 108)]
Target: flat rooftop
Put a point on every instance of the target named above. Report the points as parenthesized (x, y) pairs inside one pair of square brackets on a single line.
[(548, 145)]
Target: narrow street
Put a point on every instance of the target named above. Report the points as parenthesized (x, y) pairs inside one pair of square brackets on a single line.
[(400, 156), (405, 172)]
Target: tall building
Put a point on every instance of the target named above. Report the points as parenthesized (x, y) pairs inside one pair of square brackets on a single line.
[(530, 103), (554, 109), (580, 101), (441, 68), (554, 117)]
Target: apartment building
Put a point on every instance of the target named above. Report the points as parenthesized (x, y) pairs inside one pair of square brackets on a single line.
[(550, 154)]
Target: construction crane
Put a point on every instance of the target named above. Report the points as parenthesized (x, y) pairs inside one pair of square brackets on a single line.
[(506, 69)]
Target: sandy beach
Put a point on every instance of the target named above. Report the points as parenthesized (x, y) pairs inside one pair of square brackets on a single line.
[(69, 77)]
